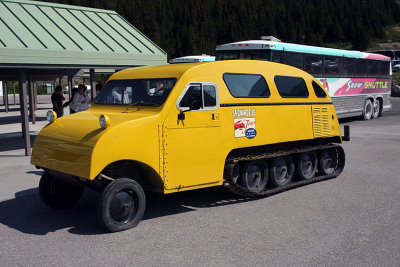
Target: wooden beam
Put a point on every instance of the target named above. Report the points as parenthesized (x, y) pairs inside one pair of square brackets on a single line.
[(31, 101), (24, 111), (35, 95), (70, 86), (5, 96), (92, 84)]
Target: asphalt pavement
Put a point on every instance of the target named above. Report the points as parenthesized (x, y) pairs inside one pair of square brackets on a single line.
[(352, 220)]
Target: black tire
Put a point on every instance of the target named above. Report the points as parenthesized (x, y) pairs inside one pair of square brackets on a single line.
[(122, 205), (376, 109), (367, 109), (306, 166), (281, 171), (327, 161), (58, 194), (254, 175)]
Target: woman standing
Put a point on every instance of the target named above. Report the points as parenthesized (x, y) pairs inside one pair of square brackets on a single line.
[(80, 100)]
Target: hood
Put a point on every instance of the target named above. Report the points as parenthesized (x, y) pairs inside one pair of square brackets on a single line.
[(66, 145)]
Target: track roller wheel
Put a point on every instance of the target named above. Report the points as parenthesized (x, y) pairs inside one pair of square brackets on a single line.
[(327, 161), (254, 175), (307, 165), (282, 169)]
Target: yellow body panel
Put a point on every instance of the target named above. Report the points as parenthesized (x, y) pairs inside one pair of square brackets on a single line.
[(189, 153)]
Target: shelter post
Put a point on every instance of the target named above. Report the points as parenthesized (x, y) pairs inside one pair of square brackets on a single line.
[(35, 95), (24, 113), (31, 101), (92, 84), (5, 91), (14, 93), (70, 86)]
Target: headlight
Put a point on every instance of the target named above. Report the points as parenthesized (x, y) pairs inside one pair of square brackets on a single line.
[(104, 121), (51, 116)]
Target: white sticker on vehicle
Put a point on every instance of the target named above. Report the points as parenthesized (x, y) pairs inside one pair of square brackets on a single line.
[(243, 126), (248, 112)]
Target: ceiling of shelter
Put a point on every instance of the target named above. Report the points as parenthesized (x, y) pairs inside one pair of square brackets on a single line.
[(38, 33)]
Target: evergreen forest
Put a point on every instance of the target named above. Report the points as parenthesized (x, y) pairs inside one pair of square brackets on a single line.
[(192, 27)]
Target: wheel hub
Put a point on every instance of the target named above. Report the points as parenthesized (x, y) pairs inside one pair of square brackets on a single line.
[(122, 207)]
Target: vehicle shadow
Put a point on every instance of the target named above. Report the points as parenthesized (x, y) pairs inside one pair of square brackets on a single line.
[(13, 142), (27, 213)]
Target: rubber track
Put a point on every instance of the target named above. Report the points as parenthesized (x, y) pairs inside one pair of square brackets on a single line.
[(239, 190)]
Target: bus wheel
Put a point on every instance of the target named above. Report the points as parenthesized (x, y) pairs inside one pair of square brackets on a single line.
[(367, 109), (307, 165), (327, 161), (376, 108), (254, 175), (122, 205), (57, 194), (282, 169)]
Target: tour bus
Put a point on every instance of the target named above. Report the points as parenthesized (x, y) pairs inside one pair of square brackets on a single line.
[(359, 83), (192, 59)]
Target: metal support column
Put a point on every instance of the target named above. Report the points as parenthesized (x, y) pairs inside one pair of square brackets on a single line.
[(24, 111), (92, 84)]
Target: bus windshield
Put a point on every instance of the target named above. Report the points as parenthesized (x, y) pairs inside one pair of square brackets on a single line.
[(243, 54), (141, 92)]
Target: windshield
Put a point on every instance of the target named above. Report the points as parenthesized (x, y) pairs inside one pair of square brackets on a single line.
[(141, 92), (243, 54)]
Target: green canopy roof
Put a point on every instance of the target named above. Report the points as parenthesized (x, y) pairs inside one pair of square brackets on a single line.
[(38, 33)]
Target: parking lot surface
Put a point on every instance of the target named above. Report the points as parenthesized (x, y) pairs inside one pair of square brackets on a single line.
[(352, 220)]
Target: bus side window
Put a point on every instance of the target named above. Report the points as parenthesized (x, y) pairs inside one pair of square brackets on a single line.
[(373, 68), (277, 57), (331, 66), (295, 60), (384, 68), (313, 65), (319, 92)]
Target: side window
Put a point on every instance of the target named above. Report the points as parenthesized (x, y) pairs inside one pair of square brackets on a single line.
[(384, 67), (313, 65), (294, 59), (192, 95), (319, 92), (331, 66), (291, 86), (210, 97), (246, 85), (360, 68), (199, 96), (373, 68)]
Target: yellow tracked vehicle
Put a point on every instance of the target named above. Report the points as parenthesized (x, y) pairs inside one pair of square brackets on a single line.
[(255, 127)]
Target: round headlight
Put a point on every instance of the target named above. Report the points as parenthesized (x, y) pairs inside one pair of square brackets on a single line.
[(104, 121), (51, 116)]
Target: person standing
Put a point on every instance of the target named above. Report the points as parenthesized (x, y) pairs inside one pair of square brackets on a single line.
[(81, 100), (57, 99)]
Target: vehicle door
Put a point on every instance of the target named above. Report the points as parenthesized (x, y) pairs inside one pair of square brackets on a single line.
[(192, 139)]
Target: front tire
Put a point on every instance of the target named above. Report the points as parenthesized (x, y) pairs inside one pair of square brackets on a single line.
[(122, 205), (58, 194)]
